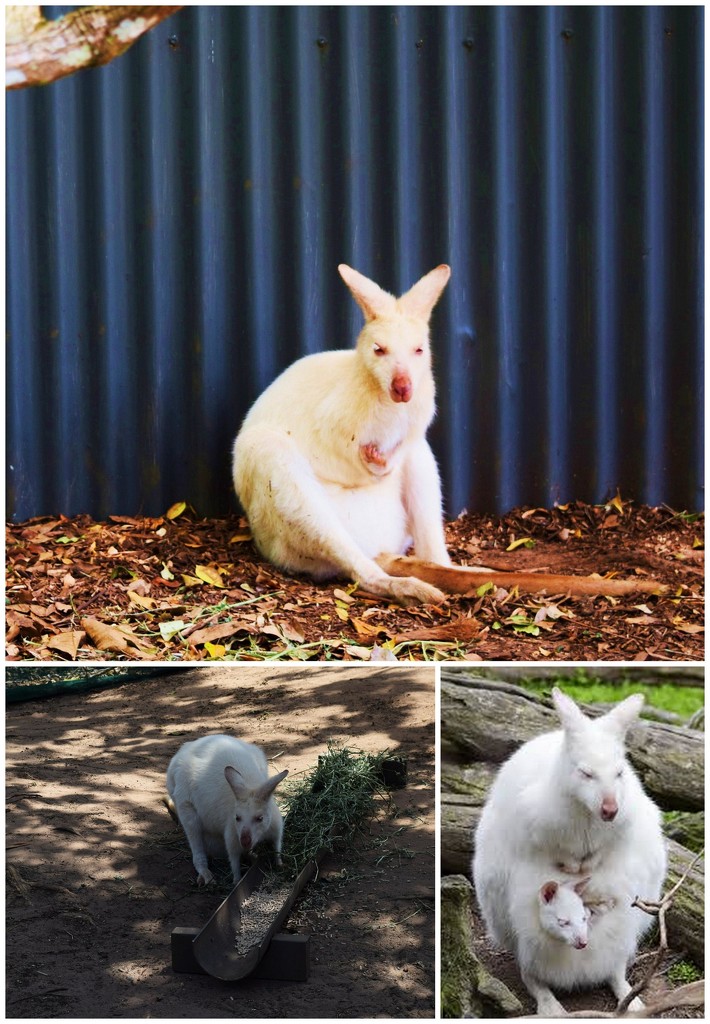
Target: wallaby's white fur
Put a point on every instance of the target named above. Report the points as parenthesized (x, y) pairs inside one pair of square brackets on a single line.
[(569, 801), (560, 940), (332, 465), (219, 789)]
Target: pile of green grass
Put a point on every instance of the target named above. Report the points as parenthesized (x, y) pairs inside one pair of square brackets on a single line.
[(331, 804)]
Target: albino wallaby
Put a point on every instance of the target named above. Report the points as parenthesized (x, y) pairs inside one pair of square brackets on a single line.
[(333, 468), (220, 791), (570, 801), (561, 941), (331, 463)]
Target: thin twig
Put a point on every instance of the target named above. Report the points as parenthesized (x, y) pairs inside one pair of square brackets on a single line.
[(658, 909)]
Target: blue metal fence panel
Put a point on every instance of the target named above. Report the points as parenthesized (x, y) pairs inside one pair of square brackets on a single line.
[(175, 220)]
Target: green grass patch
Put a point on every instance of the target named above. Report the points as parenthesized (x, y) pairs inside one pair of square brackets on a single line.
[(581, 685)]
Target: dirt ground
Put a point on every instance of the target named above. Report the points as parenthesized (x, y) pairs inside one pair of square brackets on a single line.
[(98, 875), (186, 589)]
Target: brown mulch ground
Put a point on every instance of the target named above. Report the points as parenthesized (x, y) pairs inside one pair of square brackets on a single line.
[(99, 875), (188, 589)]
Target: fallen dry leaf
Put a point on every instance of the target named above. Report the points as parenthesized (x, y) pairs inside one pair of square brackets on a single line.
[(67, 643), (110, 638), (210, 575), (462, 629), (219, 632)]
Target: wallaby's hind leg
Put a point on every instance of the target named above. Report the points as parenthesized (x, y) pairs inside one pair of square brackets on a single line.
[(294, 523), (422, 500), (192, 826)]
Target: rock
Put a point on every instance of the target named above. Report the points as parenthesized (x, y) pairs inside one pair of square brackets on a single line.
[(467, 988)]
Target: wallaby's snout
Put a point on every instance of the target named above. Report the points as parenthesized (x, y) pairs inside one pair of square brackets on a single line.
[(580, 942), (246, 839), (401, 388), (610, 808)]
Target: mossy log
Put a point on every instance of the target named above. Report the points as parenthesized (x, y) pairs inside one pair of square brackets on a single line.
[(467, 989), (686, 828), (462, 801), (686, 917), (485, 722)]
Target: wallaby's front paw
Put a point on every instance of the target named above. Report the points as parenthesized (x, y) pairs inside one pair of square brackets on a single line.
[(205, 877), (636, 1004), (597, 907), (548, 1006), (409, 590)]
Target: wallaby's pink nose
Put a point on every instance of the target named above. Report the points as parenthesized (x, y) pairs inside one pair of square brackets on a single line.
[(610, 808), (580, 943), (401, 387), (245, 840)]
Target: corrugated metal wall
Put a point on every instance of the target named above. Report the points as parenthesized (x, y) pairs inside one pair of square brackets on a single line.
[(175, 220)]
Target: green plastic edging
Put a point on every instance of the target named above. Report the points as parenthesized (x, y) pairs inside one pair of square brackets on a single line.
[(38, 691)]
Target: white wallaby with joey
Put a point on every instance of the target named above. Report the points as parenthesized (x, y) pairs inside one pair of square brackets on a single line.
[(569, 801), (220, 791), (332, 465), (565, 935)]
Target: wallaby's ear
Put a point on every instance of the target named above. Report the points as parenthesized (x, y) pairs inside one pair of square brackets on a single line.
[(548, 892), (265, 791), (372, 300), (581, 885), (236, 782), (623, 716), (570, 715), (421, 298)]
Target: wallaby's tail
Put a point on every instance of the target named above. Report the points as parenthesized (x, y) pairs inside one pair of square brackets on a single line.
[(168, 801), (466, 581)]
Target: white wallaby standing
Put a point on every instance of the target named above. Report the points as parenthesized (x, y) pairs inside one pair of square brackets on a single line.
[(332, 465), (569, 801), (220, 791)]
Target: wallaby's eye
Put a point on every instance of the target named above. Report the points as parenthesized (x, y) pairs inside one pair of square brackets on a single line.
[(259, 817), (620, 773), (239, 817), (561, 923), (586, 774), (379, 350)]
